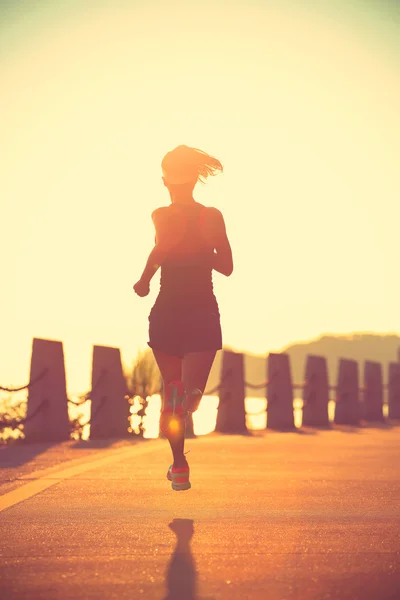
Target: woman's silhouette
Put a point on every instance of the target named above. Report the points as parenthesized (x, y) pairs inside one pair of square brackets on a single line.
[(184, 323)]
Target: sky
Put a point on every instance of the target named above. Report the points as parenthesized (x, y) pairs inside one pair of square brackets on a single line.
[(299, 101)]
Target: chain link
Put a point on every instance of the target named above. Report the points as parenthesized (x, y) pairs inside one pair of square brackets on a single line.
[(14, 423), (28, 385), (85, 397)]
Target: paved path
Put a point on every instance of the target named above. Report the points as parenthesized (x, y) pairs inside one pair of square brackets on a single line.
[(275, 516)]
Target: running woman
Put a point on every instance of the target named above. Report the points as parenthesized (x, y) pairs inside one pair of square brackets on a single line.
[(184, 323)]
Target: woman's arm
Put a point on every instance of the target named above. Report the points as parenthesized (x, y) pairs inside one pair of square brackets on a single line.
[(164, 242), (222, 259), (221, 262), (155, 260)]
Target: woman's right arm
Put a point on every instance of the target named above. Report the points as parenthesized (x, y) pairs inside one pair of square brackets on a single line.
[(216, 230), (167, 235)]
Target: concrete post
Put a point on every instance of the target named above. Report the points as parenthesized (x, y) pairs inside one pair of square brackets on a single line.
[(47, 414), (110, 407), (347, 409), (316, 393), (372, 406), (280, 414), (394, 391), (231, 417)]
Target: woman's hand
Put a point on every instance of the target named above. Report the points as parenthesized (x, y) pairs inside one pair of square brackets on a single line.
[(142, 288)]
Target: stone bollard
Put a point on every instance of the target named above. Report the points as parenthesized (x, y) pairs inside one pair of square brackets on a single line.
[(231, 417), (372, 405), (394, 391), (110, 407), (47, 414), (347, 408), (316, 393), (280, 414)]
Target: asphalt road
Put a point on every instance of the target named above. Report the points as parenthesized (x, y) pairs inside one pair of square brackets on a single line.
[(274, 516)]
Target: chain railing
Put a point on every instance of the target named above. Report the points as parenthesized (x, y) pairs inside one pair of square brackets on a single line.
[(227, 374), (82, 398), (257, 386), (15, 423), (28, 385), (94, 414), (77, 426)]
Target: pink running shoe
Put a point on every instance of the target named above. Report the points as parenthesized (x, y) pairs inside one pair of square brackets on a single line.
[(179, 478)]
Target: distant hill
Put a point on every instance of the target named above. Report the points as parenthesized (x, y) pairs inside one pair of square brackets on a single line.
[(358, 346)]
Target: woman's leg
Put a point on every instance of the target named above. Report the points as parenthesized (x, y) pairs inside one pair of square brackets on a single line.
[(196, 367), (171, 370)]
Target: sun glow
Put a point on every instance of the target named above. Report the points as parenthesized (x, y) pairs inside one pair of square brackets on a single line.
[(302, 109)]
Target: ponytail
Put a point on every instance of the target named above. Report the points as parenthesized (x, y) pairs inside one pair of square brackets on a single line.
[(189, 165)]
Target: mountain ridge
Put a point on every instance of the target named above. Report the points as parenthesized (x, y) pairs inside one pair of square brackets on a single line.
[(378, 347)]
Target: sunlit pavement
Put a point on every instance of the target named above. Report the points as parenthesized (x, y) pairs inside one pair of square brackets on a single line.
[(275, 516)]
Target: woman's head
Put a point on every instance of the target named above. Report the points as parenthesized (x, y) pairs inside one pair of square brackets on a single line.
[(185, 166)]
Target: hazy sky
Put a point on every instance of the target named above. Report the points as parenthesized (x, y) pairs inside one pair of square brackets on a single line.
[(302, 107)]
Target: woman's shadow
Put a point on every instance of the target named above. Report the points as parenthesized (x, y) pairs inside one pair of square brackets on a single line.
[(181, 572)]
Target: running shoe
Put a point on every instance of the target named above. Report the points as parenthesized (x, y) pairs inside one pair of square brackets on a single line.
[(179, 478)]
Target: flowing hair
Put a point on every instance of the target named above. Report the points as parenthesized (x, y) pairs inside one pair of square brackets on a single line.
[(189, 165)]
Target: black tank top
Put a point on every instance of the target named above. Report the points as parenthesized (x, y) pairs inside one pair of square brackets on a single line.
[(186, 273)]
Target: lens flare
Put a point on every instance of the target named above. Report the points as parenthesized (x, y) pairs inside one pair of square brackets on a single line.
[(175, 425)]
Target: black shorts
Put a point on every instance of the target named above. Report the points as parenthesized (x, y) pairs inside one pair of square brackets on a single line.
[(178, 332)]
